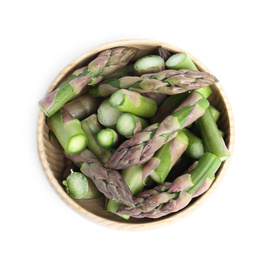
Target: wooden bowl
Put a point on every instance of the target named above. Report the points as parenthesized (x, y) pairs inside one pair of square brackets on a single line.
[(53, 160)]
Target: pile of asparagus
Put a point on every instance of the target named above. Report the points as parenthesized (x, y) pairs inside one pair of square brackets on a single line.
[(142, 133)]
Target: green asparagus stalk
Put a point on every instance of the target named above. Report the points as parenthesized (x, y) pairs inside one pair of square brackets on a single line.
[(133, 178), (83, 106), (168, 106), (149, 64), (170, 82), (163, 53), (54, 141), (107, 138), (78, 186), (68, 131), (106, 63), (129, 124), (107, 115), (108, 181), (195, 147), (132, 102), (159, 166), (141, 147), (180, 61), (215, 113), (168, 197), (213, 142), (91, 128)]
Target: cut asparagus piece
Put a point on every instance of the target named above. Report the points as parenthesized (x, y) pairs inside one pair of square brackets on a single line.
[(91, 128), (133, 178), (107, 138), (129, 124), (68, 131), (107, 115), (165, 158), (78, 186), (168, 197), (107, 181), (149, 64), (180, 61), (128, 70), (132, 102), (195, 147), (83, 106), (163, 53), (141, 147), (213, 142), (107, 62)]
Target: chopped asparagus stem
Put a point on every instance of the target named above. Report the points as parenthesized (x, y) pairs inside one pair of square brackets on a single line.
[(107, 138), (132, 102), (215, 113), (107, 115), (78, 186), (180, 61), (149, 64), (129, 124)]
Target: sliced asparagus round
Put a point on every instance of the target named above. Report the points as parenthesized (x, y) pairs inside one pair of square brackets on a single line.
[(107, 138), (149, 64), (180, 61), (128, 124)]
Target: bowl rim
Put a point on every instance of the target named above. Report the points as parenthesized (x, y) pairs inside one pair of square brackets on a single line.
[(109, 222)]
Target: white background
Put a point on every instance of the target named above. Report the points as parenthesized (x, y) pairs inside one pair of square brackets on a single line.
[(235, 39)]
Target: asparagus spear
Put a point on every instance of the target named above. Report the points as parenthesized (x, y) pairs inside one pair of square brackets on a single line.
[(168, 197), (127, 70), (149, 64), (165, 158), (170, 82), (195, 147), (107, 138), (133, 178), (83, 106), (106, 63), (108, 181), (180, 61), (91, 128), (215, 113), (78, 186), (68, 131), (213, 142), (128, 124), (107, 115), (141, 147), (132, 102)]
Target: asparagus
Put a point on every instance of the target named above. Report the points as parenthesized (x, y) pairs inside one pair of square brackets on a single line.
[(213, 142), (195, 147), (163, 53), (127, 70), (141, 147), (91, 128), (107, 115), (159, 166), (83, 106), (170, 82), (107, 62), (129, 124), (78, 186), (107, 138), (108, 181), (168, 197), (149, 64), (133, 178), (215, 113), (132, 102), (68, 131)]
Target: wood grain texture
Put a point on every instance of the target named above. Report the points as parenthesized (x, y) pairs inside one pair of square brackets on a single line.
[(53, 160)]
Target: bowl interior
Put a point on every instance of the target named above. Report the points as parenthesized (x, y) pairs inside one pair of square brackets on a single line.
[(53, 160)]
